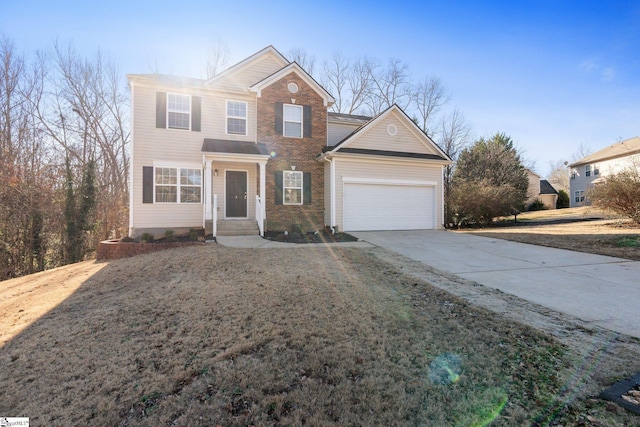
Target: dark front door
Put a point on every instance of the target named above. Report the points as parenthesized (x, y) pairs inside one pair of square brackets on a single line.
[(236, 202)]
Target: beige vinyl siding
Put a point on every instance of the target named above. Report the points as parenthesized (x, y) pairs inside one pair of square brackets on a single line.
[(533, 191), (249, 75), (387, 169), (336, 132), (179, 148), (377, 137)]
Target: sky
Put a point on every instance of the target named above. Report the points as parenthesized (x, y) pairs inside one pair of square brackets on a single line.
[(556, 76)]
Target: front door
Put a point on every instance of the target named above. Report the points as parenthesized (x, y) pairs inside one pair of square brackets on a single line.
[(236, 200)]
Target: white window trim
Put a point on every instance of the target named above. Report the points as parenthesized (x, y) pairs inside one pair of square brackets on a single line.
[(179, 111), (245, 118), (578, 196), (284, 187), (177, 184), (285, 121), (587, 170)]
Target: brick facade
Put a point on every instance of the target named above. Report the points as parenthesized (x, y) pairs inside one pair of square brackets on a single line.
[(299, 152)]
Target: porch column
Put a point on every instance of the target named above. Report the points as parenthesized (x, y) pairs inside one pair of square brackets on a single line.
[(263, 191), (208, 189)]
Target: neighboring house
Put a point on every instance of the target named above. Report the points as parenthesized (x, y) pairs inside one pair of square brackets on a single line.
[(257, 143), (540, 189), (594, 168)]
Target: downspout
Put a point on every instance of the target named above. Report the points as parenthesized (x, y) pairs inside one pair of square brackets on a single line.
[(131, 162), (332, 194)]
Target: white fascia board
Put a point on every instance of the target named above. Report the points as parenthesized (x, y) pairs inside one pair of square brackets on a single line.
[(369, 158), (235, 157)]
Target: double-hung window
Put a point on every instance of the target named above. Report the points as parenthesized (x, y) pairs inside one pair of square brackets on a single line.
[(178, 111), (587, 170), (596, 170), (190, 185), (579, 196), (236, 117), (292, 120), (292, 187), (170, 182)]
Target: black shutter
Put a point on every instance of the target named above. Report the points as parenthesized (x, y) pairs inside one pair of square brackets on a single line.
[(195, 113), (306, 121), (278, 187), (147, 184), (161, 109), (306, 188), (279, 117)]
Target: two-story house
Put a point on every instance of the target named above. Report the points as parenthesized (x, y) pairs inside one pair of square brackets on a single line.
[(594, 168), (257, 143)]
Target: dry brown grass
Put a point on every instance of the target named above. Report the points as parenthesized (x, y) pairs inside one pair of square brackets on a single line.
[(307, 336), (582, 229)]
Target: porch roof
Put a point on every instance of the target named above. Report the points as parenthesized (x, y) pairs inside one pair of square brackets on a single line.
[(233, 147)]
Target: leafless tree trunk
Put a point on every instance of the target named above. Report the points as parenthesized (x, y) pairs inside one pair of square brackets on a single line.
[(559, 175), (390, 86), (430, 95), (455, 135), (349, 82), (217, 58), (303, 59)]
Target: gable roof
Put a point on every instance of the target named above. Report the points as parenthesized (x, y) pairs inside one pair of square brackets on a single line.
[(343, 146), (619, 149), (269, 50), (295, 68), (546, 187)]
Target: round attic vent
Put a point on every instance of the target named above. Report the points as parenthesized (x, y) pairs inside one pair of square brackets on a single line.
[(392, 130), (293, 88)]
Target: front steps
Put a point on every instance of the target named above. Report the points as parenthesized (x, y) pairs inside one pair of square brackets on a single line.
[(242, 227)]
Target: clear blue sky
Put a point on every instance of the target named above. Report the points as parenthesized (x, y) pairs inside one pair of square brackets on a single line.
[(552, 74)]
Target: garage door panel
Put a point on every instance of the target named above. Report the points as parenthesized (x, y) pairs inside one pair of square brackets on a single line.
[(387, 207)]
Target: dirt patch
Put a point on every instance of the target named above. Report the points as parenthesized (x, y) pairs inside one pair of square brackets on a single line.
[(326, 336)]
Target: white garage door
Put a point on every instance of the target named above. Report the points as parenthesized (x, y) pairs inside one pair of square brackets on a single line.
[(388, 207)]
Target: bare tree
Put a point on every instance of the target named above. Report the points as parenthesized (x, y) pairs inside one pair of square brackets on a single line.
[(454, 136), (349, 82), (390, 85), (218, 56), (26, 188), (559, 175), (303, 59), (429, 96)]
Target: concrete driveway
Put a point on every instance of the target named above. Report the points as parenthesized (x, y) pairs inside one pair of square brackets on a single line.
[(599, 289)]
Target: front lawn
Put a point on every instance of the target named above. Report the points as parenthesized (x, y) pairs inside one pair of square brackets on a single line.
[(212, 336)]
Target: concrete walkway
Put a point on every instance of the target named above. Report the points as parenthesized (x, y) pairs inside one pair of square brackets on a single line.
[(258, 242), (599, 289)]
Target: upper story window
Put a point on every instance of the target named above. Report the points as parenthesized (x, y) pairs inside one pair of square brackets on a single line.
[(596, 170), (292, 120), (236, 117), (178, 111), (587, 170)]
